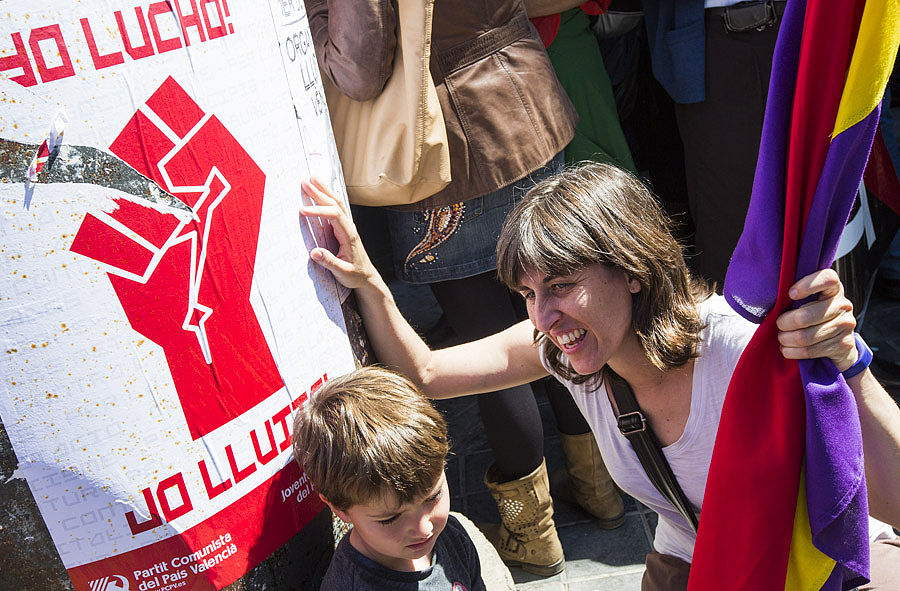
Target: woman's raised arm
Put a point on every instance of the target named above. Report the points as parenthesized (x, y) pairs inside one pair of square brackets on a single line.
[(502, 360)]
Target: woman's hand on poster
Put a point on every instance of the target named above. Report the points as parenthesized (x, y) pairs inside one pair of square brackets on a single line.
[(822, 327), (350, 265)]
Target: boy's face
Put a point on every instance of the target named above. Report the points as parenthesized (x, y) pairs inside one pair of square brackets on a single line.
[(400, 537)]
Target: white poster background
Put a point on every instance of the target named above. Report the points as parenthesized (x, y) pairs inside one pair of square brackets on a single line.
[(89, 402)]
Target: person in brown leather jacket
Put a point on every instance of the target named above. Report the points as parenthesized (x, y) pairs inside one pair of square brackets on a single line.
[(508, 120)]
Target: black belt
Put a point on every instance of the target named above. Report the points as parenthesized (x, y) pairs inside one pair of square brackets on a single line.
[(472, 50), (754, 15)]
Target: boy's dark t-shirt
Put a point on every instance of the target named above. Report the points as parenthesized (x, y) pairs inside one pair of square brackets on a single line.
[(455, 567)]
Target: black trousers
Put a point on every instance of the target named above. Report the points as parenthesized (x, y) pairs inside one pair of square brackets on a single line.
[(721, 140)]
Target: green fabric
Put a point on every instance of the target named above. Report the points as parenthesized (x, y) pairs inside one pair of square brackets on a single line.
[(576, 58)]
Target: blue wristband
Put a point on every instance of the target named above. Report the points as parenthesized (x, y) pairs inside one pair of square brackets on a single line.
[(863, 361)]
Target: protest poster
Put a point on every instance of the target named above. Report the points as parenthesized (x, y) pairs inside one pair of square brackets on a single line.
[(160, 320)]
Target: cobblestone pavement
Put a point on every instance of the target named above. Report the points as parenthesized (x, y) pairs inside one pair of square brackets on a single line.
[(596, 560)]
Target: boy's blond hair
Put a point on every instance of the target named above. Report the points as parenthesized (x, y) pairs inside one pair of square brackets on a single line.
[(370, 433)]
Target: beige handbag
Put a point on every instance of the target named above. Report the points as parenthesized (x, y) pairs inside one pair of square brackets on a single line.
[(393, 148)]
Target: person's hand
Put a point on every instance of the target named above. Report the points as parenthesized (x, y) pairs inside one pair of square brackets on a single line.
[(822, 327), (350, 265)]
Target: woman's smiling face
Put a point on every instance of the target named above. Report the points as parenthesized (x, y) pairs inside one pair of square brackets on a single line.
[(587, 313)]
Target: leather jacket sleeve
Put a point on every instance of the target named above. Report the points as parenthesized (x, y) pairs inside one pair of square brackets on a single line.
[(355, 43)]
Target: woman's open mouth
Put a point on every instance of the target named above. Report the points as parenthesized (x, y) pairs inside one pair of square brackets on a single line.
[(571, 340)]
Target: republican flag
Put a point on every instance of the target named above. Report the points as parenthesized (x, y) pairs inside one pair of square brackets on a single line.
[(785, 503)]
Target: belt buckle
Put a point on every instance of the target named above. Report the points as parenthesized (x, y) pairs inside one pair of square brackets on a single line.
[(744, 17), (632, 422)]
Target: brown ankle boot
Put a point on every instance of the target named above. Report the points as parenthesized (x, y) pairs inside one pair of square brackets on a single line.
[(527, 537), (588, 484)]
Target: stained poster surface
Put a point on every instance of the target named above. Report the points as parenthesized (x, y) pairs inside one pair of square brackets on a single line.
[(160, 321)]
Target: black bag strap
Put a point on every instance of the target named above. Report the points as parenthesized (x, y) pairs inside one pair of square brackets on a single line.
[(634, 427)]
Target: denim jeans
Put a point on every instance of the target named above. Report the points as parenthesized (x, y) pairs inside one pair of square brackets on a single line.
[(459, 240)]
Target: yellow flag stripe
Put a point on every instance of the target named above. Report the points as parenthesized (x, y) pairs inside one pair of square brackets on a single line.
[(871, 64), (808, 567)]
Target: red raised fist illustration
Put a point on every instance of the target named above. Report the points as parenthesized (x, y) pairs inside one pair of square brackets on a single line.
[(184, 280)]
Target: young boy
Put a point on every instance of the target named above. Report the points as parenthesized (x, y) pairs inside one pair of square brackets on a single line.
[(374, 448)]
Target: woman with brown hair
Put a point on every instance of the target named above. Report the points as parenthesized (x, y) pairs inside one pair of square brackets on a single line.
[(608, 294)]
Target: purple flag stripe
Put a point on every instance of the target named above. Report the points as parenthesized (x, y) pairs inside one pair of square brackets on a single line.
[(752, 294), (835, 471)]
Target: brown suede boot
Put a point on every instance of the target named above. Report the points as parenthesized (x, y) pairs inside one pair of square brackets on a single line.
[(527, 537), (588, 484)]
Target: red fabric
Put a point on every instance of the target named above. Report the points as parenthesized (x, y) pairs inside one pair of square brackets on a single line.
[(754, 476), (829, 33), (548, 26), (880, 176), (595, 7)]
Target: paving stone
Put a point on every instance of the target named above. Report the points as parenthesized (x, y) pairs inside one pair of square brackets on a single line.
[(528, 582), (481, 508), (543, 587), (649, 519), (626, 581), (604, 551), (565, 514)]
